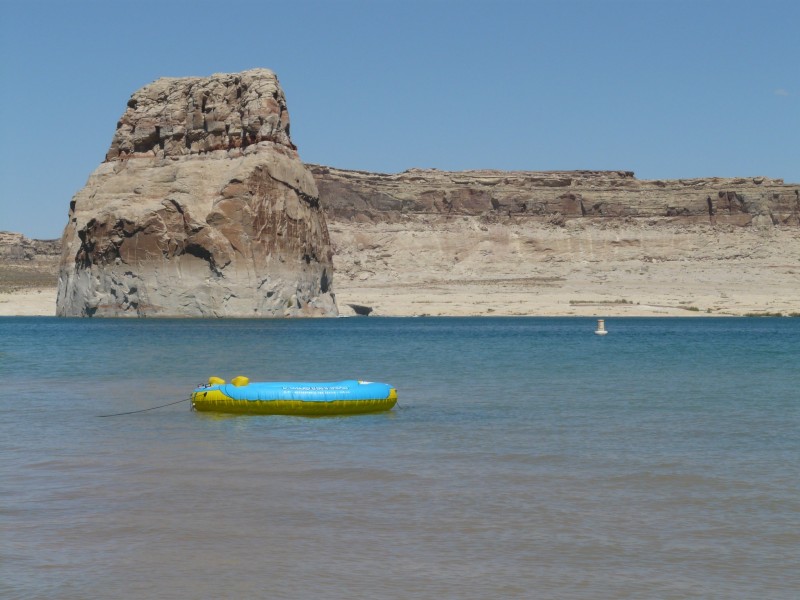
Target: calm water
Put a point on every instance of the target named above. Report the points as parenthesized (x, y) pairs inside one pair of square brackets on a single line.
[(528, 458)]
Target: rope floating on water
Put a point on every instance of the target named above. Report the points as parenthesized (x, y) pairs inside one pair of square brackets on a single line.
[(144, 409)]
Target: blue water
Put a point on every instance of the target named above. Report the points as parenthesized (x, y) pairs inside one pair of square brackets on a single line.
[(527, 458)]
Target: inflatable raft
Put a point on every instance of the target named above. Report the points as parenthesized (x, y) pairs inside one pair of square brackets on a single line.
[(293, 398)]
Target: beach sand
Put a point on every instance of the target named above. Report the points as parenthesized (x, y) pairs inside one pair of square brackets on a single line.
[(28, 287), (30, 302), (617, 290)]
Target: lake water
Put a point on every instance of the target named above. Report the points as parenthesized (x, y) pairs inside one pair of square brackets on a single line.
[(527, 458)]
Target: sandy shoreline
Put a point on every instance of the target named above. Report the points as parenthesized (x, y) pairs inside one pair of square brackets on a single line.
[(568, 300), (34, 302)]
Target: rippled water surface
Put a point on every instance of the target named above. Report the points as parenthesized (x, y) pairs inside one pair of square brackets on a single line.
[(527, 458)]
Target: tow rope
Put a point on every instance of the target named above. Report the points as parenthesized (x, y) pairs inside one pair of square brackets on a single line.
[(130, 412)]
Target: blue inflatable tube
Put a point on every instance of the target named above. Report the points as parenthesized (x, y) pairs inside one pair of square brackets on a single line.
[(293, 398)]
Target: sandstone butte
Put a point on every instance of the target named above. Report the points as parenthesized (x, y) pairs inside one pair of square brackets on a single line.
[(201, 208)]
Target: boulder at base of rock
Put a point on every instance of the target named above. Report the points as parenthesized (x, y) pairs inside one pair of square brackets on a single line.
[(201, 209), (361, 310)]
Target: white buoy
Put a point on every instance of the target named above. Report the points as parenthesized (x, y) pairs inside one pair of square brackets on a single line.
[(601, 327)]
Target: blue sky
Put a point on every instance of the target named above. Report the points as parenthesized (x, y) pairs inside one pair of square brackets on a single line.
[(665, 88)]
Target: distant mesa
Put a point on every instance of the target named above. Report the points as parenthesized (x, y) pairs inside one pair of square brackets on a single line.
[(202, 208), (17, 247)]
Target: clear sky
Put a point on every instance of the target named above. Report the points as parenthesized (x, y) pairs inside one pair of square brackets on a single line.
[(666, 88)]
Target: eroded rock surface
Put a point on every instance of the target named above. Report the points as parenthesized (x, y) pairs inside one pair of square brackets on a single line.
[(202, 208), (17, 247), (555, 196), (561, 243)]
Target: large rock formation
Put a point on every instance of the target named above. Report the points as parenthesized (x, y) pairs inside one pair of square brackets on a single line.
[(201, 208)]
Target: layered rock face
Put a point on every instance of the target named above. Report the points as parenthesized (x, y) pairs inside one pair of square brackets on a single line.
[(555, 196), (202, 208), (17, 247), (561, 243)]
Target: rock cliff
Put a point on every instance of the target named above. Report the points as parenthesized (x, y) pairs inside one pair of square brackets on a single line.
[(561, 243), (555, 196), (16, 247), (201, 208)]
